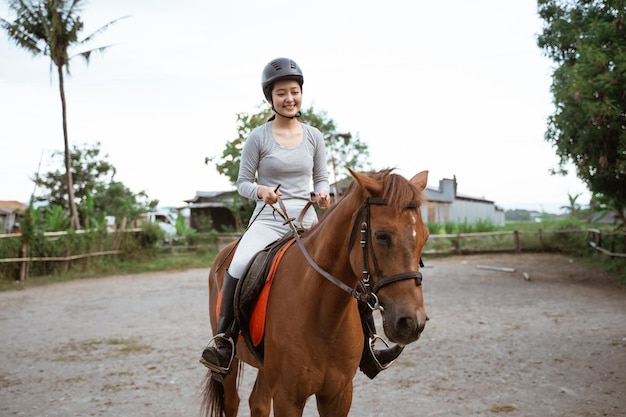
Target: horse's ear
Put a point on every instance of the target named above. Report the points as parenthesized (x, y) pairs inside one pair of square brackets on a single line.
[(369, 184), (420, 180)]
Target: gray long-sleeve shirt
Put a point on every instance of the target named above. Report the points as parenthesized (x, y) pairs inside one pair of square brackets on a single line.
[(294, 168)]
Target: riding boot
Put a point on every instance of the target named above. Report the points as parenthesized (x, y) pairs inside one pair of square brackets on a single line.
[(374, 360), (219, 358)]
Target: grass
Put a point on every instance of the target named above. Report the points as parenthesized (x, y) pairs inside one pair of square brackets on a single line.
[(119, 266), (503, 409), (128, 345), (116, 387), (98, 348), (75, 379), (66, 359), (6, 383)]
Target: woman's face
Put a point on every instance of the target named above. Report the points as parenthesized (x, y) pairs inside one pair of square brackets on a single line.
[(287, 97)]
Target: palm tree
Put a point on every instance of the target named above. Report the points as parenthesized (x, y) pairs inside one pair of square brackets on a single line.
[(573, 207), (51, 28)]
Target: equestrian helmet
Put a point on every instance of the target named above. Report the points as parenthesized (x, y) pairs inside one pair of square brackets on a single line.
[(280, 69)]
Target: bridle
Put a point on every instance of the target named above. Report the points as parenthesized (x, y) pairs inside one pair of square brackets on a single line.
[(367, 294)]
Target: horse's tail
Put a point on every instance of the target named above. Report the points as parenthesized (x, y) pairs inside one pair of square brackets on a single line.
[(212, 397), (214, 393)]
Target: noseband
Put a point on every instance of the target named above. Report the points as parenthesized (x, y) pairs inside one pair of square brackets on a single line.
[(368, 294)]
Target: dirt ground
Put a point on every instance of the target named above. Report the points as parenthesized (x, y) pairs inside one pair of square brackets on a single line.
[(497, 344)]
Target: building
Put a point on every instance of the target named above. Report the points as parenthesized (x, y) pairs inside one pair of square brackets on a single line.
[(10, 214), (214, 209), (446, 205)]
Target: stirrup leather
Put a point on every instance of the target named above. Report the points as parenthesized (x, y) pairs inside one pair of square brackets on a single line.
[(216, 368), (371, 344)]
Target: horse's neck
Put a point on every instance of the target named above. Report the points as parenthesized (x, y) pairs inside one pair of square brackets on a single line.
[(328, 246)]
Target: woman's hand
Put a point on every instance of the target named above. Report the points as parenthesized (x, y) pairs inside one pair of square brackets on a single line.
[(269, 195), (323, 199)]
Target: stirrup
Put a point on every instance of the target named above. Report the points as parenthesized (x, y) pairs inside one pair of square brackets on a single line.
[(371, 344), (216, 368)]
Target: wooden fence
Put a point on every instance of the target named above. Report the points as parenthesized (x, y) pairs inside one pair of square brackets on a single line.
[(597, 239), (25, 259), (110, 244), (506, 241), (515, 241), (611, 243)]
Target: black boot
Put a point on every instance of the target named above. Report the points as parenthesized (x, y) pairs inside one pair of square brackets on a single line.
[(219, 358), (374, 360)]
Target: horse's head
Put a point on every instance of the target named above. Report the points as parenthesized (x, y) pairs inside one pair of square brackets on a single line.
[(392, 233)]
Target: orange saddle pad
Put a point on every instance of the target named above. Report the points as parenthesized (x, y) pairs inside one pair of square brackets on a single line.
[(257, 320)]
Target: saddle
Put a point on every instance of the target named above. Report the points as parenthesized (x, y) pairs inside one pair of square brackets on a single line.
[(252, 291)]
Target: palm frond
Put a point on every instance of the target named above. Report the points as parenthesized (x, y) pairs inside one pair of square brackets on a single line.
[(102, 29), (86, 55)]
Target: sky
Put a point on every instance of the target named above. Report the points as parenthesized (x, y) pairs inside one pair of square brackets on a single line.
[(457, 88)]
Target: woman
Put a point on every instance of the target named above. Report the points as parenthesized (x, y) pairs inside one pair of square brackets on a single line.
[(285, 156)]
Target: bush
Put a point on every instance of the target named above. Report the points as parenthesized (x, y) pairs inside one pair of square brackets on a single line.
[(151, 234)]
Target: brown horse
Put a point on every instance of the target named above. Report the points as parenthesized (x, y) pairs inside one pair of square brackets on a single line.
[(313, 335)]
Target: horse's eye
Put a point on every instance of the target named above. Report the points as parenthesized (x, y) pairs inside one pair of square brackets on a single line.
[(383, 238)]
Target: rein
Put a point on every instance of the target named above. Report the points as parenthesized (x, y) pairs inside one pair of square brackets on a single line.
[(369, 295)]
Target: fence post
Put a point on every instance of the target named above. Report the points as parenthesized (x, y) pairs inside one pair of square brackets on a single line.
[(541, 244), (117, 241), (613, 243), (24, 266), (68, 253), (518, 246), (457, 243)]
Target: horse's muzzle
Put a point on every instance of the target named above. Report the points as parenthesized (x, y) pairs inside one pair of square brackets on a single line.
[(404, 329)]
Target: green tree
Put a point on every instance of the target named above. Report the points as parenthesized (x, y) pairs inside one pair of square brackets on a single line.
[(89, 169), (55, 219), (573, 208), (342, 148), (52, 28), (517, 215), (96, 189), (586, 40)]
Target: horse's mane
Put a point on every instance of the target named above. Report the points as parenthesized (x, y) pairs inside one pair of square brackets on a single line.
[(398, 192)]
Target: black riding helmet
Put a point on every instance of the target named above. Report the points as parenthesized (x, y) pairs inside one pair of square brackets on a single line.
[(280, 69)]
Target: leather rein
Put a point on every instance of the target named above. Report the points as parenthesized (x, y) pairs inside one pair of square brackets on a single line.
[(368, 294)]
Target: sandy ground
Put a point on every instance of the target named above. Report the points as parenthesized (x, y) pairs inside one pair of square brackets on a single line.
[(496, 344)]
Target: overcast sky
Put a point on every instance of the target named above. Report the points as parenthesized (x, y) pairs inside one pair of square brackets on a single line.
[(457, 88)]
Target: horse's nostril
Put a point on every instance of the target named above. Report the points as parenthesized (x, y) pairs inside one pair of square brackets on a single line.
[(409, 325)]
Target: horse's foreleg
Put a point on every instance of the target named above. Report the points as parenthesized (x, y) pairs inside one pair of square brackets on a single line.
[(260, 398), (283, 408), (285, 405), (336, 406)]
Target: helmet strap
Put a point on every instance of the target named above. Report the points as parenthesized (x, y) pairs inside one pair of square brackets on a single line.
[(287, 117)]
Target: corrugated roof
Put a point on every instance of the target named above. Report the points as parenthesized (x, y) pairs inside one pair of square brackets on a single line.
[(13, 205), (208, 195)]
